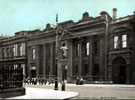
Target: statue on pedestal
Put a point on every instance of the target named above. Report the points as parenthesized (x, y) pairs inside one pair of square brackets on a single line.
[(64, 48)]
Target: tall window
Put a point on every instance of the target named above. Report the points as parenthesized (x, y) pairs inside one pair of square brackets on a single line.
[(20, 50), (13, 51), (3, 53), (124, 41), (95, 71), (33, 54), (97, 47), (87, 47), (8, 52), (77, 49), (86, 69), (75, 70), (116, 42)]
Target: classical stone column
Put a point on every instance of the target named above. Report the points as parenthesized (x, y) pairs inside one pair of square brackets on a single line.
[(80, 58), (101, 59), (37, 60), (51, 59), (18, 51), (90, 57), (70, 59), (44, 59), (29, 52), (128, 74)]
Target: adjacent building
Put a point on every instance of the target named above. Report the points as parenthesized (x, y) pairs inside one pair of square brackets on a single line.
[(99, 49)]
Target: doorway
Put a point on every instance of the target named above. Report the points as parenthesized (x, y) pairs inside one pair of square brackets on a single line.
[(64, 72), (119, 70), (33, 73)]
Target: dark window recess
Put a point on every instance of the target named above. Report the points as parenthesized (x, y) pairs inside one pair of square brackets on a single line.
[(48, 51), (41, 60), (86, 69), (77, 49), (86, 48), (97, 47), (95, 72), (47, 69), (75, 70)]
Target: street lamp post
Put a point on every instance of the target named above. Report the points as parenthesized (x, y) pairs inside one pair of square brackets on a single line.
[(59, 34), (56, 55)]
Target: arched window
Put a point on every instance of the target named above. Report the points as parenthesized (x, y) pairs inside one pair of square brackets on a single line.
[(33, 53), (87, 48), (116, 42), (124, 41)]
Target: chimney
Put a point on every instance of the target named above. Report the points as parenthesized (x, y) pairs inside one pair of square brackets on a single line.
[(114, 13)]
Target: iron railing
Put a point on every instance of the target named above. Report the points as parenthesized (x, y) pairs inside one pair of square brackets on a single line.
[(11, 77)]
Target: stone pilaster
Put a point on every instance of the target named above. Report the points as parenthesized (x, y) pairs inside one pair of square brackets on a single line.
[(80, 58), (101, 61), (29, 52), (44, 59), (51, 58), (37, 60), (90, 57), (128, 74), (70, 59)]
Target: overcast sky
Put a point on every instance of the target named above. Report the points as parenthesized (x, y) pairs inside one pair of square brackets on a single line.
[(19, 15)]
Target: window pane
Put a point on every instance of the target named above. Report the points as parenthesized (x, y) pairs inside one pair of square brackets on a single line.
[(116, 39), (33, 54), (115, 45), (77, 49), (13, 51), (87, 45), (124, 44), (87, 48), (124, 37), (21, 50)]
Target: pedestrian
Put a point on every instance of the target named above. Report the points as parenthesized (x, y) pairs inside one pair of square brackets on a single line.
[(28, 80), (77, 80), (45, 81), (42, 81), (81, 81)]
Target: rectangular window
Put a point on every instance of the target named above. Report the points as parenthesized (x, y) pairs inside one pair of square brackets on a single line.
[(20, 50), (13, 51), (75, 70), (33, 54), (97, 47), (87, 47), (95, 72), (77, 49), (116, 42), (124, 41), (3, 53), (8, 52), (86, 69)]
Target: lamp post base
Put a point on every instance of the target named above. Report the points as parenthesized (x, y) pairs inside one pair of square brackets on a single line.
[(63, 86), (56, 84)]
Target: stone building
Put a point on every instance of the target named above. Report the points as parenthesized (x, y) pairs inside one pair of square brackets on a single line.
[(99, 49), (13, 51)]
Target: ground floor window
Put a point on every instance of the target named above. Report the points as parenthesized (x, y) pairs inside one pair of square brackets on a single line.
[(75, 70), (86, 70), (95, 72)]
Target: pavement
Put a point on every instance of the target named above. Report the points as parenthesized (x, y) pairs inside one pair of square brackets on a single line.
[(39, 93), (86, 91)]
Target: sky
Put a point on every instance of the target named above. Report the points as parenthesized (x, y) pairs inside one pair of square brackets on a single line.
[(24, 15)]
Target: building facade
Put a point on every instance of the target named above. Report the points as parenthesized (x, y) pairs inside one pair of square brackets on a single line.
[(99, 49)]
